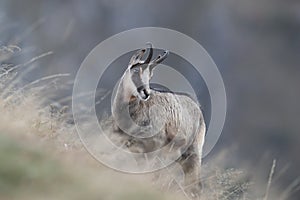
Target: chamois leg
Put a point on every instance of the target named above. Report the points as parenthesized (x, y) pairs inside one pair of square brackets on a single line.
[(190, 163)]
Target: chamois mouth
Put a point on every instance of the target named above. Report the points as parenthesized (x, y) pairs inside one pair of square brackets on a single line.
[(143, 93)]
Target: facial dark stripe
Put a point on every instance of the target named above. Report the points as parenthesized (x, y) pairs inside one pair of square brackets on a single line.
[(136, 79)]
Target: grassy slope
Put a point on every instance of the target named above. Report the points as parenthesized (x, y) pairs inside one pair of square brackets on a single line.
[(41, 157), (29, 170)]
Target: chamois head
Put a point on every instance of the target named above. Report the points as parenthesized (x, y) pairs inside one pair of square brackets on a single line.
[(141, 71)]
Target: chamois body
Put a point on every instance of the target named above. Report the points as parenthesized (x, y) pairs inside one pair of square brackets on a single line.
[(150, 119), (166, 115)]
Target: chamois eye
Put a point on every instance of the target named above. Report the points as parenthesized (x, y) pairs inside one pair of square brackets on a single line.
[(136, 70)]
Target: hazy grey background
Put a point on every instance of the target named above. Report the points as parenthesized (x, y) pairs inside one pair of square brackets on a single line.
[(255, 44)]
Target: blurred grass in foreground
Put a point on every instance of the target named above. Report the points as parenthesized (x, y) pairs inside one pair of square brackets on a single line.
[(41, 156), (31, 173)]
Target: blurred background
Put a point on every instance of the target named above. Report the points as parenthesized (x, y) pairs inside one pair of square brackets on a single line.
[(255, 44)]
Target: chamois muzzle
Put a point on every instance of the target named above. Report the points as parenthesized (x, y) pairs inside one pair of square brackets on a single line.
[(144, 93)]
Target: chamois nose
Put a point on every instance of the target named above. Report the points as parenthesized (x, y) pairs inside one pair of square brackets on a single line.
[(143, 92)]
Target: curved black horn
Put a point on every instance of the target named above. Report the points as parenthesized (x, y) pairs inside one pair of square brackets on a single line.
[(148, 59)]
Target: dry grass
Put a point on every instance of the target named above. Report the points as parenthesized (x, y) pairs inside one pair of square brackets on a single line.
[(42, 157), (41, 154)]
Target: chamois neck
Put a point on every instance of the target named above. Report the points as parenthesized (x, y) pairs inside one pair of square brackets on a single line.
[(125, 90)]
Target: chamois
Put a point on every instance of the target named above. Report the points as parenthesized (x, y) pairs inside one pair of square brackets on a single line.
[(152, 119)]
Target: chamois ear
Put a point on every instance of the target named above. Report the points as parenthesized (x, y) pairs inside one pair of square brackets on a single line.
[(136, 58), (158, 60)]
